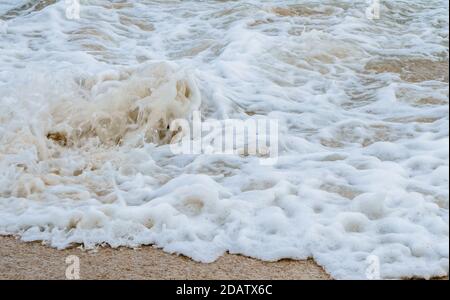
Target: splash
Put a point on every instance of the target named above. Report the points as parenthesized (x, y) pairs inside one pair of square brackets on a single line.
[(126, 105)]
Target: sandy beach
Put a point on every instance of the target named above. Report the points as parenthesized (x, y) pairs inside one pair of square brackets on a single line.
[(35, 261), (20, 260)]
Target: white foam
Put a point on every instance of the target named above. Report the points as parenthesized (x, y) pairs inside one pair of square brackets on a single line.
[(363, 160)]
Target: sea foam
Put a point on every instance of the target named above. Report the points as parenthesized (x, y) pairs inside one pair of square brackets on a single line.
[(362, 105)]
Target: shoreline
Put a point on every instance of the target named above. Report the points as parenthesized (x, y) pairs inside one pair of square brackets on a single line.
[(21, 260), (32, 260)]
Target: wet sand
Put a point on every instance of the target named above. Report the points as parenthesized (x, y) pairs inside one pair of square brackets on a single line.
[(34, 261), (412, 70), (20, 260)]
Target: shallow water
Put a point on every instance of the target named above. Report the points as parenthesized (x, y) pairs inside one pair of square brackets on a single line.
[(362, 107)]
